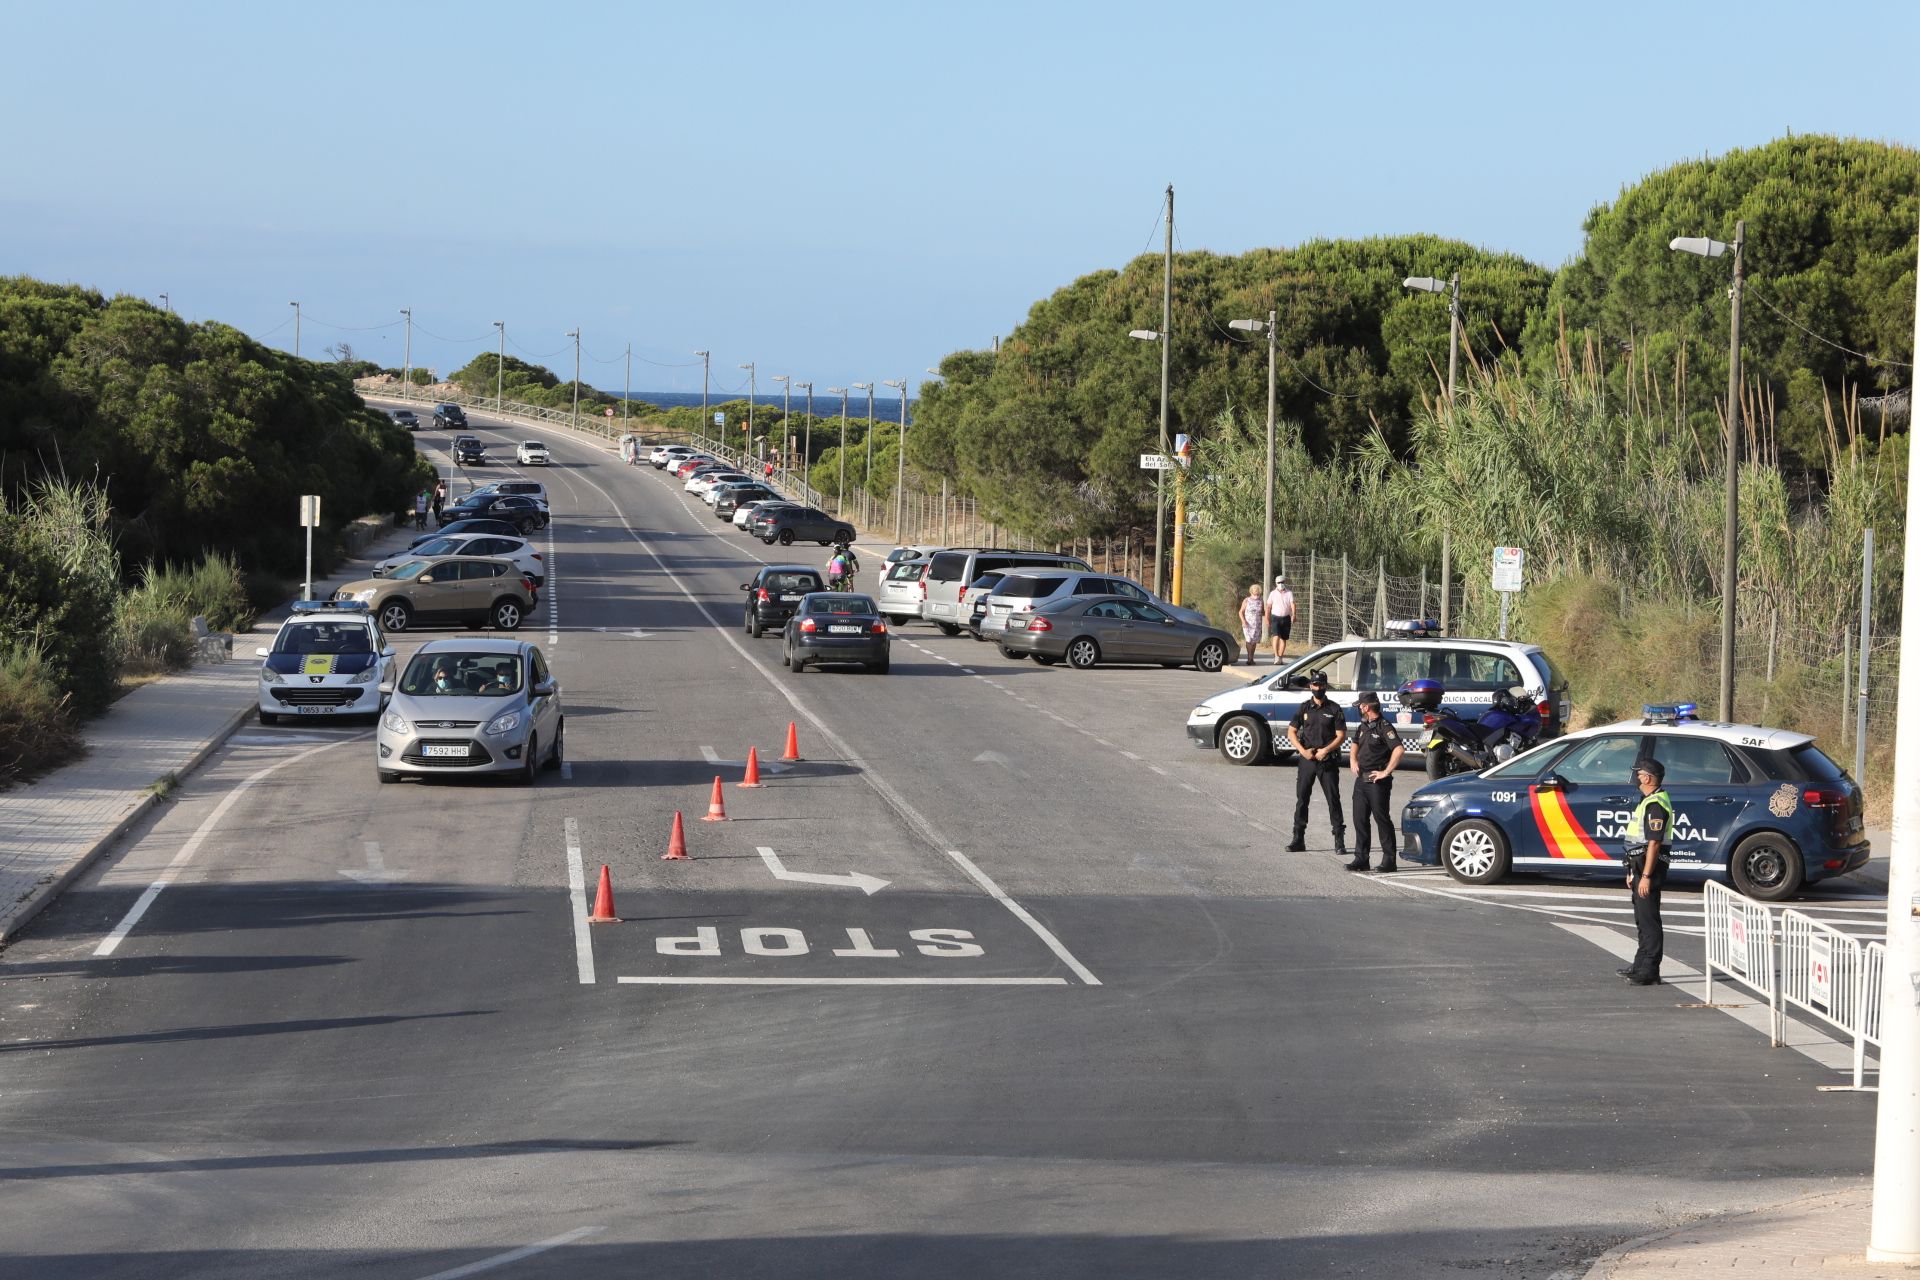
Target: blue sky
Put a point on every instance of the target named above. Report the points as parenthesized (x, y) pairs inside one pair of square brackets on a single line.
[(842, 192)]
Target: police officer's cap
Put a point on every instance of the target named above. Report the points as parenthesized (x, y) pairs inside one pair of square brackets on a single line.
[(1316, 677), (1367, 698), (1653, 768)]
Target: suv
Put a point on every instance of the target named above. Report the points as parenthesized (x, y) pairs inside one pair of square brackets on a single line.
[(532, 453), (1020, 594), (1249, 723), (785, 525), (667, 454), (458, 590), (468, 451), (949, 572), (523, 513), (328, 659), (406, 418), (729, 498), (472, 705), (775, 592), (449, 415), (519, 488)]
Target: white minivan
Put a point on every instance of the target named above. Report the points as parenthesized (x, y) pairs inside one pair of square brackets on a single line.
[(949, 572)]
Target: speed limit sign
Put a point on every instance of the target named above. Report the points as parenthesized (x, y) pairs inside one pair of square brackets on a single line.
[(609, 411)]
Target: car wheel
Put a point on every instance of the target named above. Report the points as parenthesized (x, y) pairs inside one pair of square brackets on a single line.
[(1014, 654), (947, 628), (1243, 740), (395, 615), (897, 619), (387, 775), (881, 667), (507, 615), (269, 717), (843, 535), (786, 538), (1475, 852), (1044, 660), (1439, 763), (1083, 654), (1211, 656), (768, 539), (1767, 866), (753, 626), (795, 664), (530, 765)]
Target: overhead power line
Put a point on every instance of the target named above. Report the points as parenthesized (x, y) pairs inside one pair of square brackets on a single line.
[(1870, 359)]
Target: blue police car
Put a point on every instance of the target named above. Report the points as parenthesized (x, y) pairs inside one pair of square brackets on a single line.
[(1764, 808)]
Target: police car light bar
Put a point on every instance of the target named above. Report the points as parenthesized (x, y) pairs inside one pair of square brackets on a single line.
[(1413, 628), (1670, 712), (331, 606)]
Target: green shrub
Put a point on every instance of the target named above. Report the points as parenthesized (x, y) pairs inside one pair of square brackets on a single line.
[(59, 588), (36, 726), (214, 589), (155, 636)]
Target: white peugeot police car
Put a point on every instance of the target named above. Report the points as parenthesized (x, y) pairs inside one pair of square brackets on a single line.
[(328, 659)]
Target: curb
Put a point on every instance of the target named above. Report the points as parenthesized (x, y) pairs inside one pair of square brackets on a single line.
[(1602, 1267), (19, 913)]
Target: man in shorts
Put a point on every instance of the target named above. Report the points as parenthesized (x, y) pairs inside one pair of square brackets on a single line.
[(1280, 617)]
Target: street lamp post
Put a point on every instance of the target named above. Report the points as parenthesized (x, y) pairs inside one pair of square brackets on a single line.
[(575, 335), (806, 440), (706, 375), (867, 475), (166, 303), (1271, 326), (626, 398), (1451, 287), (752, 387), (296, 329), (406, 363), (500, 370), (1730, 566), (900, 465), (840, 498), (786, 408)]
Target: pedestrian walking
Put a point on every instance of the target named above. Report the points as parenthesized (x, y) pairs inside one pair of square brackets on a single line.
[(439, 498), (420, 509), (1253, 612), (1316, 732), (1280, 617), (1649, 848), (1376, 754)]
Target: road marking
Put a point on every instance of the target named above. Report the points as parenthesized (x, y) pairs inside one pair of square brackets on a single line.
[(1188, 786), (1157, 769), (867, 884), (515, 1255), (712, 756), (111, 943), (1053, 944), (577, 895), (1129, 755), (844, 982), (376, 872)]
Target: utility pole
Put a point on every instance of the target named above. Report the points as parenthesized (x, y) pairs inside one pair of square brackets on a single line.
[(296, 329), (1446, 527), (840, 499), (1730, 567), (869, 387), (1271, 325), (806, 447), (900, 470), (706, 374), (500, 369), (626, 398), (1166, 374), (786, 406), (1896, 1141), (752, 386), (575, 335), (406, 376)]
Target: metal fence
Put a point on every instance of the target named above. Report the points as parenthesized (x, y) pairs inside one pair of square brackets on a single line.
[(1740, 944)]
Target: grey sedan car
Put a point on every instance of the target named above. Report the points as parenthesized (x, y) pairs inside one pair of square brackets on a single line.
[(471, 705), (1085, 632)]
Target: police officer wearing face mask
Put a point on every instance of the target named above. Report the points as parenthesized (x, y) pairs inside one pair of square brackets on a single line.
[(1376, 754), (1316, 732), (1649, 845)]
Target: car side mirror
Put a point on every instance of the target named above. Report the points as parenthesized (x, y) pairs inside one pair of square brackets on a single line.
[(259, 653), (1552, 782), (426, 577), (746, 586), (546, 688), (388, 652), (1296, 682), (386, 690)]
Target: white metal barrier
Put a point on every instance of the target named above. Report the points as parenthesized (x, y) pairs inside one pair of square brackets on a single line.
[(1873, 968), (1740, 945), (1824, 972)]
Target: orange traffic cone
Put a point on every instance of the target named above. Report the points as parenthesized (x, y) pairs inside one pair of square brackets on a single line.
[(716, 807), (677, 842), (793, 742), (753, 769), (603, 900)]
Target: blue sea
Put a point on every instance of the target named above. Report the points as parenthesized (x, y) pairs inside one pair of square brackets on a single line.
[(885, 407)]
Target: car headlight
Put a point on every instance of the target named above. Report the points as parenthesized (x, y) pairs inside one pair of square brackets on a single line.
[(505, 722), (368, 676), (271, 677), (1416, 811), (394, 722), (1203, 712), (367, 594)]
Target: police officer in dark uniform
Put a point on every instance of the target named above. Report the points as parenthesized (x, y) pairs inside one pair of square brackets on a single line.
[(1649, 847), (1316, 732), (1376, 754)]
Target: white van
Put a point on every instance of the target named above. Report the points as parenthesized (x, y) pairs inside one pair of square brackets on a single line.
[(949, 572)]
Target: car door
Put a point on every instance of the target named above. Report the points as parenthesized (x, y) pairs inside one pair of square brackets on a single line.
[(1710, 790), (1156, 635), (544, 708), (436, 591), (1581, 807), (1111, 627)]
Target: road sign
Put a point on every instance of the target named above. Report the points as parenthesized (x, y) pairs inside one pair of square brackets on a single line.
[(310, 510), (1509, 564), (1183, 449), (609, 411), (720, 419), (1155, 462)]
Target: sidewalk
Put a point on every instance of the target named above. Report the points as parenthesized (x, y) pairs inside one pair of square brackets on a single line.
[(51, 829), (1823, 1234)]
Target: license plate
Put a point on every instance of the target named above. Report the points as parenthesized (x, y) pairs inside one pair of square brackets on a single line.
[(845, 631), (314, 711), (443, 749), (789, 597)]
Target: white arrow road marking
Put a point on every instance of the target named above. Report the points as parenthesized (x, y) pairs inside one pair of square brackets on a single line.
[(634, 632), (376, 872), (992, 757), (868, 885)]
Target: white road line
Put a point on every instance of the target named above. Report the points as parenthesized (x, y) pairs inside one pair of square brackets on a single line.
[(710, 755), (515, 1255), (999, 895), (1129, 755), (1257, 827), (1188, 786), (1157, 769), (845, 982), (887, 791), (577, 894), (111, 943)]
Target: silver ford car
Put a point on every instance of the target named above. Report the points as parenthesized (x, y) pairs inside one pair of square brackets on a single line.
[(472, 705)]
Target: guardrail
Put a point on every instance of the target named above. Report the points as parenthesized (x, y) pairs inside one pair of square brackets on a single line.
[(1740, 945)]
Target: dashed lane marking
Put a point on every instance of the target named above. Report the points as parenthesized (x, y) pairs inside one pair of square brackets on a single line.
[(577, 894)]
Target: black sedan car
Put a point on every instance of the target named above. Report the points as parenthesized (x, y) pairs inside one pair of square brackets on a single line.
[(524, 514), (775, 592), (503, 527), (407, 419), (469, 451), (787, 525), (1089, 630), (835, 626)]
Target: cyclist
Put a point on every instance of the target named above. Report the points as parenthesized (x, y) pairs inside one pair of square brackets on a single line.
[(842, 567)]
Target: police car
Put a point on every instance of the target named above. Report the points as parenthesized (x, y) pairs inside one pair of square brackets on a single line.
[(1764, 808), (328, 659), (1248, 724)]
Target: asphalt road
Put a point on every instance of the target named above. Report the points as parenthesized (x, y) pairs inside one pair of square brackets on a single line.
[(1095, 1023)]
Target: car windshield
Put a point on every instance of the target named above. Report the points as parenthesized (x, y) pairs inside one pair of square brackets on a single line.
[(439, 547), (408, 570), (462, 675), (323, 637), (790, 583), (531, 444)]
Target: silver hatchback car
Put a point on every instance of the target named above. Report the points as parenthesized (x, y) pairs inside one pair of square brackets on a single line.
[(472, 705)]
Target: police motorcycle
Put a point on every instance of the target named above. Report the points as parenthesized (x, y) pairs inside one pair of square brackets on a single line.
[(1454, 745)]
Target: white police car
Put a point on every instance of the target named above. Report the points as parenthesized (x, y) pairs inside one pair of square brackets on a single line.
[(1248, 724), (1764, 808), (328, 659)]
